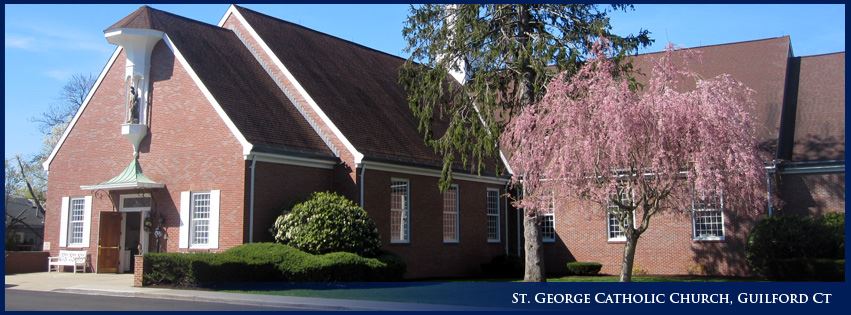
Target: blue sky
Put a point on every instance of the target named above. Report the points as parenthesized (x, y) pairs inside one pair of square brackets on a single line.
[(46, 44)]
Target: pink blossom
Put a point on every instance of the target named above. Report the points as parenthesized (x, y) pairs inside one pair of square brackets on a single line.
[(679, 134)]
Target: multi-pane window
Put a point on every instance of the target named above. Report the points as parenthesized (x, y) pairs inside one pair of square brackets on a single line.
[(493, 215), (708, 217), (548, 232), (76, 219), (450, 215), (624, 196), (199, 228), (400, 207)]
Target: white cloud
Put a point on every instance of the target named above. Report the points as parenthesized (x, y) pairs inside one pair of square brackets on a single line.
[(40, 38), (58, 74), (19, 42)]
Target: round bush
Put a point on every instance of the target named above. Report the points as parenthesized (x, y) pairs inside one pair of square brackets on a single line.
[(794, 238), (583, 268), (327, 223)]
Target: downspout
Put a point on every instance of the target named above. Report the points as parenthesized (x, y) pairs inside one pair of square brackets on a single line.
[(506, 220), (362, 172), (768, 191), (251, 201)]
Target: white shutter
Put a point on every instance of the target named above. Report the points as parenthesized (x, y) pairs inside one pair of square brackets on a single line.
[(87, 219), (215, 200), (63, 223), (184, 219)]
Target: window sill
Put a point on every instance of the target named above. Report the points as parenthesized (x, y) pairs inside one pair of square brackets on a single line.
[(451, 242), (494, 241), (546, 241), (709, 239), (400, 242), (616, 240), (201, 248), (78, 246)]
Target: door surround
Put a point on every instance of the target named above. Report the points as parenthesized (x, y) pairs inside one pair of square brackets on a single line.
[(144, 211)]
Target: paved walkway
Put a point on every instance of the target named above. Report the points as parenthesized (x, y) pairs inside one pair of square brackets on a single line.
[(121, 285)]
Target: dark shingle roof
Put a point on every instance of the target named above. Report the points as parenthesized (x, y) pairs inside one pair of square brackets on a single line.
[(759, 64), (356, 86), (249, 97), (25, 210), (820, 108)]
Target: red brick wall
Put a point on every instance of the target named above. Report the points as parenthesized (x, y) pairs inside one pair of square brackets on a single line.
[(279, 187), (812, 194), (665, 248), (426, 255), (188, 147), (26, 262)]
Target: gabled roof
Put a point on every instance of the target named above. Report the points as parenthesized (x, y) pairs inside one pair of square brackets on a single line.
[(246, 93), (819, 125), (357, 88), (759, 64)]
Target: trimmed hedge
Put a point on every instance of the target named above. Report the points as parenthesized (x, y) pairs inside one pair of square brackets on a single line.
[(267, 262), (810, 269), (797, 247), (327, 223), (504, 266), (583, 268)]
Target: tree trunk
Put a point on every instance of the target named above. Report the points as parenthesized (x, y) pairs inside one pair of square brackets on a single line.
[(534, 251), (628, 258)]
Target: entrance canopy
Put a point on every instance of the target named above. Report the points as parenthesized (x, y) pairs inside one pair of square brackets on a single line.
[(130, 178)]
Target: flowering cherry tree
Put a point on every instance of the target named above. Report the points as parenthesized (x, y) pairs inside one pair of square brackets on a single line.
[(636, 151)]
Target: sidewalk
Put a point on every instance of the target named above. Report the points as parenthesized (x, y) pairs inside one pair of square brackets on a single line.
[(121, 285)]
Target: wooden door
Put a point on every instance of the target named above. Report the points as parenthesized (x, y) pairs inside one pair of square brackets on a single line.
[(108, 242)]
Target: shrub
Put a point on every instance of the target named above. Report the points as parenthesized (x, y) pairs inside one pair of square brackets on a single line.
[(779, 243), (327, 223), (504, 266), (267, 262), (809, 269), (582, 268)]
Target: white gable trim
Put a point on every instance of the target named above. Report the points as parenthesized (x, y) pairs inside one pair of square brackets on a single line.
[(415, 170), (246, 146), (46, 163), (291, 160), (358, 157)]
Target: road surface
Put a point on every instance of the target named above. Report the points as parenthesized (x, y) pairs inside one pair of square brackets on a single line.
[(20, 300)]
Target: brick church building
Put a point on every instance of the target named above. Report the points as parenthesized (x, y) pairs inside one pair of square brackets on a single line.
[(195, 137)]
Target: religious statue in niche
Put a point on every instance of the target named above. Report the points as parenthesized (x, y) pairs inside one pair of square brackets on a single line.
[(133, 101)]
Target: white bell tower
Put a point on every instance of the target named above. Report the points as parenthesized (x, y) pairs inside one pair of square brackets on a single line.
[(137, 45)]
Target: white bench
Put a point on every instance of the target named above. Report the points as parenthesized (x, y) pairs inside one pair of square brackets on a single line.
[(74, 258)]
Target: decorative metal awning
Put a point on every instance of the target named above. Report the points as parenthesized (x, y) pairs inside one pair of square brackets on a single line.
[(130, 178)]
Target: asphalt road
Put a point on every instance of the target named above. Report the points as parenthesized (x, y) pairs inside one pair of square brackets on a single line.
[(20, 300)]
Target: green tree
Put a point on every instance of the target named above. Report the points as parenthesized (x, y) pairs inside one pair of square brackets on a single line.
[(503, 55)]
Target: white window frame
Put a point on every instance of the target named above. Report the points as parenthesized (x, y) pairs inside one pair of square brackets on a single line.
[(71, 222), (186, 212), (609, 215), (694, 212), (491, 216), (549, 215), (457, 213), (133, 209), (405, 213), (193, 220)]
